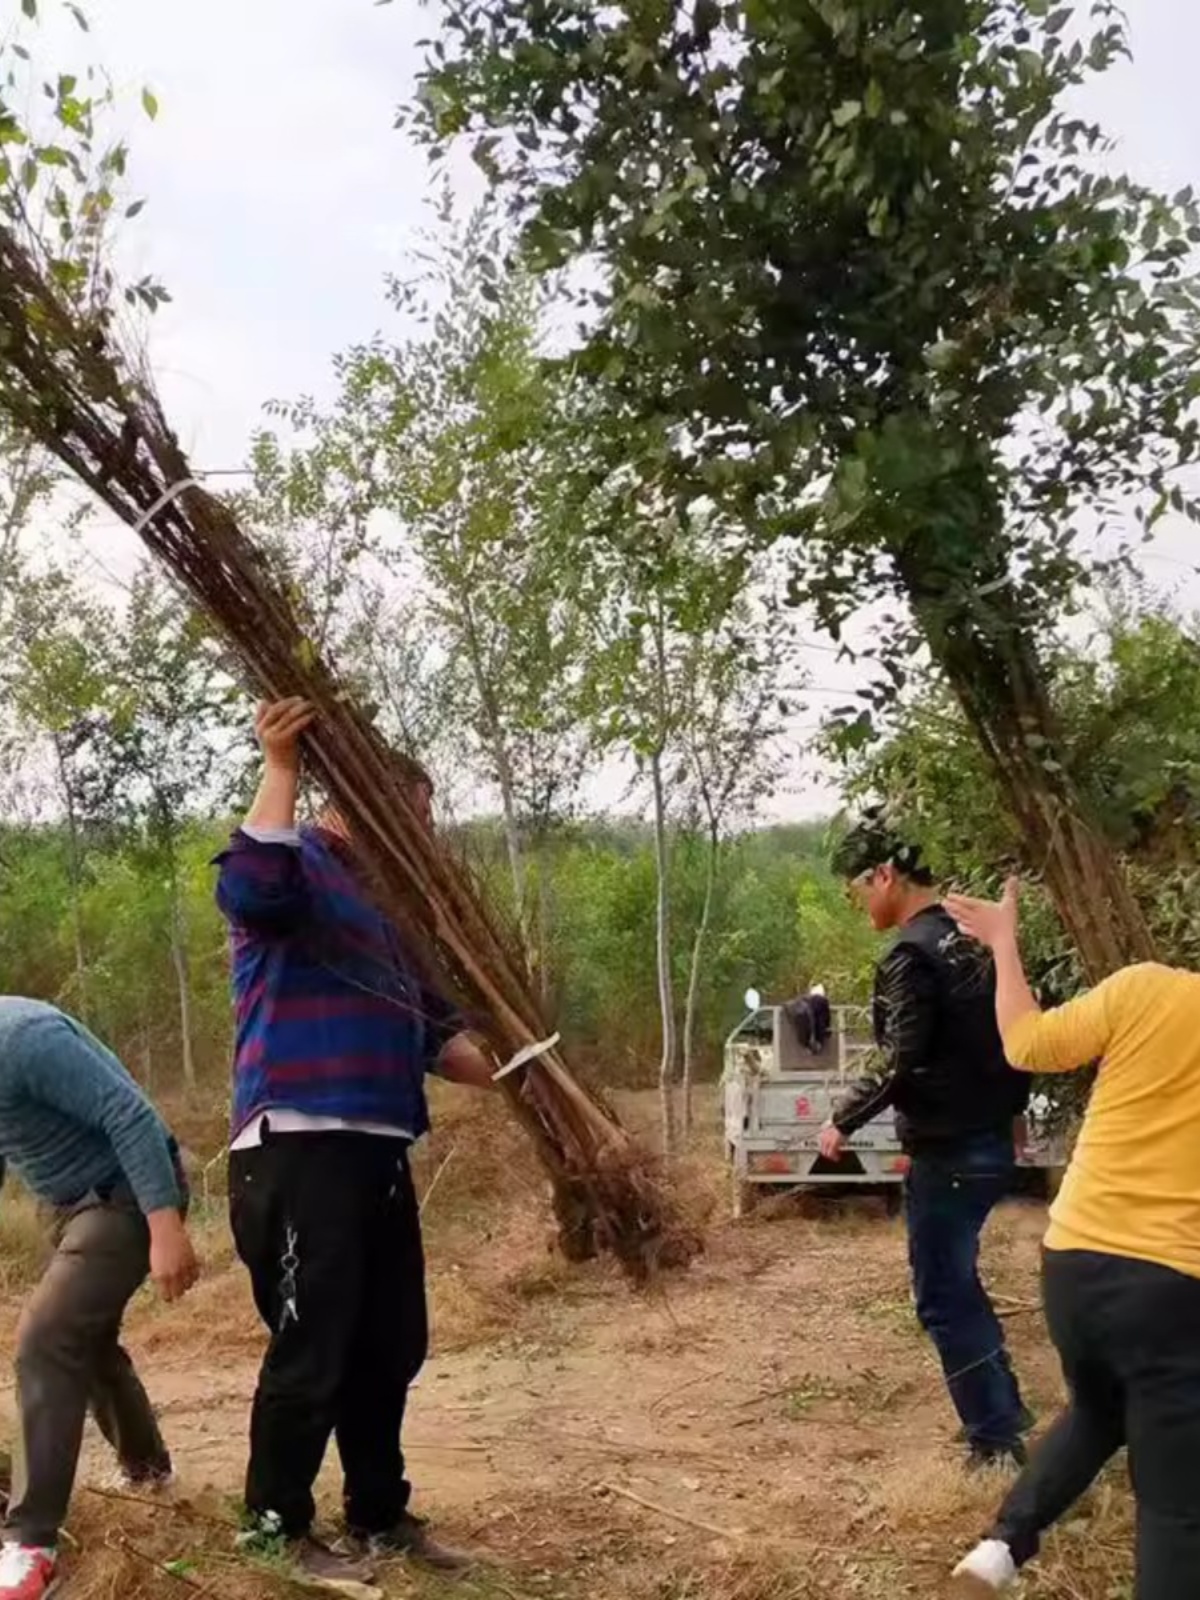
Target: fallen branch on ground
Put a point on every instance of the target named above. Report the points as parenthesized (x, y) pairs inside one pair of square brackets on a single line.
[(1018, 1309), (673, 1516), (167, 1569), (435, 1180), (177, 1508)]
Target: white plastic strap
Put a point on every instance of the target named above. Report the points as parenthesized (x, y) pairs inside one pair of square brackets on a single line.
[(522, 1058), (168, 497)]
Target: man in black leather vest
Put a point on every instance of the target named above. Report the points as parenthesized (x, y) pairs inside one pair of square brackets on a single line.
[(956, 1102)]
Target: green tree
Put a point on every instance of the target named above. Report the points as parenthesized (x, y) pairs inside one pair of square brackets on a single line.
[(137, 714), (728, 736), (860, 275), (26, 483), (1128, 703), (168, 724), (59, 672), (457, 437), (671, 664), (390, 652)]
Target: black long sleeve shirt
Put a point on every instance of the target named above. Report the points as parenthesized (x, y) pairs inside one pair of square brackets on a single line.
[(943, 1066)]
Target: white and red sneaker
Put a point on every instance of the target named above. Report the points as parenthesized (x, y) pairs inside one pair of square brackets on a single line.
[(27, 1572)]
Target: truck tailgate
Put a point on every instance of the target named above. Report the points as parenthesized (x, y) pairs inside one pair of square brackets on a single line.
[(793, 1110)]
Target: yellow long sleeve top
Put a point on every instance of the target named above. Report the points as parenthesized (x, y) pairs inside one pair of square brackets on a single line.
[(1133, 1185)]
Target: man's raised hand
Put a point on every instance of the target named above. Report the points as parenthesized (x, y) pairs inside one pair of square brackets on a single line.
[(278, 725)]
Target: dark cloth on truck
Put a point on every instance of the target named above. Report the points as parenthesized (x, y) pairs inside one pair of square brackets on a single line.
[(810, 1017)]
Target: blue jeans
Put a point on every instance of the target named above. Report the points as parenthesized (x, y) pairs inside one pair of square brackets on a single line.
[(948, 1197)]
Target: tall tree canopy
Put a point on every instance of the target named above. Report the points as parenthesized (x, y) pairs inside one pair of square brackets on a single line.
[(857, 269)]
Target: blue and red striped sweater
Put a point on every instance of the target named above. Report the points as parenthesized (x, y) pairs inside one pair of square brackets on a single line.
[(331, 1018)]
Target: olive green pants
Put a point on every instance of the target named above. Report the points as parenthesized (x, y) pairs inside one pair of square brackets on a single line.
[(69, 1360)]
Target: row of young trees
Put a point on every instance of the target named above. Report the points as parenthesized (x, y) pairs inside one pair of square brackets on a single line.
[(517, 613), (777, 921), (862, 319), (119, 722), (523, 615)]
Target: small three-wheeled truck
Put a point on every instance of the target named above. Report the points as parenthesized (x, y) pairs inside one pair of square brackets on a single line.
[(779, 1091)]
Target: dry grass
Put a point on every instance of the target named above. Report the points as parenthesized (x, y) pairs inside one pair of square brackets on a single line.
[(23, 1242)]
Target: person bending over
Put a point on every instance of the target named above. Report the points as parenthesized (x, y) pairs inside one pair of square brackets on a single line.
[(87, 1144)]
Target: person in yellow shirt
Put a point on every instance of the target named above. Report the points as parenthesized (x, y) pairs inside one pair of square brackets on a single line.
[(1121, 1267)]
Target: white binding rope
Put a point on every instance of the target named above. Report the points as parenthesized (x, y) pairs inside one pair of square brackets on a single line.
[(168, 497), (524, 1057)]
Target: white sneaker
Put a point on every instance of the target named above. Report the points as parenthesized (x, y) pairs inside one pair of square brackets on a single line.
[(988, 1570), (27, 1572)]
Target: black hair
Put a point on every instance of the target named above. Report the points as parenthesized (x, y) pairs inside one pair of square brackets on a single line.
[(872, 843)]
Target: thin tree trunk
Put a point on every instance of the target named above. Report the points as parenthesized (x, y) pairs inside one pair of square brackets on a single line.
[(544, 974), (666, 997), (182, 966), (75, 878), (512, 838), (693, 990), (183, 984), (498, 750), (147, 1051)]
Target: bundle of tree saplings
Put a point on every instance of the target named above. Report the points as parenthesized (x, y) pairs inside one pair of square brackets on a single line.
[(65, 381)]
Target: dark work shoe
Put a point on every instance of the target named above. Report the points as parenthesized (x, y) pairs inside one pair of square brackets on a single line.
[(412, 1539), (1026, 1423), (314, 1565), (1007, 1458), (309, 1563)]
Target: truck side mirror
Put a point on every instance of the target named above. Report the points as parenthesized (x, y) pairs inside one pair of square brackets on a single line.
[(753, 999)]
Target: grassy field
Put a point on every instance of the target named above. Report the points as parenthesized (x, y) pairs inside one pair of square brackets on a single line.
[(770, 1425)]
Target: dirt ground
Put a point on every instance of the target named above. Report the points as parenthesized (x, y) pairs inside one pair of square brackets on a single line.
[(769, 1424)]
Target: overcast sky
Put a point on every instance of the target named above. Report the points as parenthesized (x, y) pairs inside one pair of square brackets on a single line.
[(280, 194)]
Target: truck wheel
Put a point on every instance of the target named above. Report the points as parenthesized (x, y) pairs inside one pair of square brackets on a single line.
[(893, 1199)]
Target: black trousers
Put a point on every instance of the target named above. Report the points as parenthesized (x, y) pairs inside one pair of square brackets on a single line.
[(1128, 1335), (327, 1224)]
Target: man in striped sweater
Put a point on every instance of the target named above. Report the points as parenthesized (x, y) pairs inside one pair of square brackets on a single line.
[(335, 1034)]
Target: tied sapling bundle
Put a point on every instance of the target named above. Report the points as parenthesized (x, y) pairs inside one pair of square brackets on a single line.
[(67, 384)]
